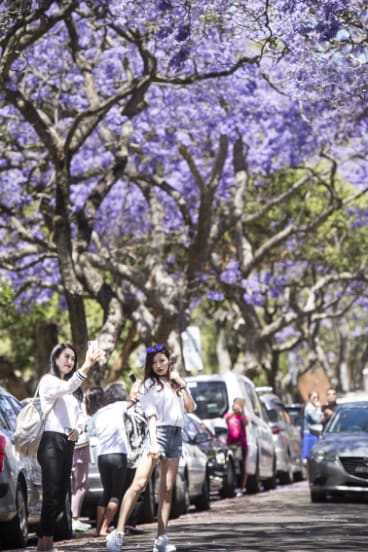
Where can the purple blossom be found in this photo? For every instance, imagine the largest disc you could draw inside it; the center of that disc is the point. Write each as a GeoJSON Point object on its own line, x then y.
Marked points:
{"type": "Point", "coordinates": [215, 295]}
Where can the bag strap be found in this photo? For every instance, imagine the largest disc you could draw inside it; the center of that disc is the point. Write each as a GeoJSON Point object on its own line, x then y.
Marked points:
{"type": "Point", "coordinates": [44, 414]}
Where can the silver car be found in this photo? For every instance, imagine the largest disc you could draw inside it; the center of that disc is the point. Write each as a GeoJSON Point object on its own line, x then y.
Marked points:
{"type": "Point", "coordinates": [287, 439]}
{"type": "Point", "coordinates": [338, 463]}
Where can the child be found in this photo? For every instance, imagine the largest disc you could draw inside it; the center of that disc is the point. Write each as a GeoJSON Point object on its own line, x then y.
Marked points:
{"type": "Point", "coordinates": [236, 422]}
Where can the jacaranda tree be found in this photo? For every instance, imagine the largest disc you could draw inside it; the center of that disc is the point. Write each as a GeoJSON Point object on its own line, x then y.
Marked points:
{"type": "Point", "coordinates": [140, 141]}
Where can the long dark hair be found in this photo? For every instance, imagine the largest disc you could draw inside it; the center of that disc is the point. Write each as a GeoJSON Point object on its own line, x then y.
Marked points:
{"type": "Point", "coordinates": [54, 369]}
{"type": "Point", "coordinates": [148, 367]}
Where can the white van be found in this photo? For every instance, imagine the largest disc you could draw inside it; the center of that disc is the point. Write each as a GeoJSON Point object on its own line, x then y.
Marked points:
{"type": "Point", "coordinates": [214, 395]}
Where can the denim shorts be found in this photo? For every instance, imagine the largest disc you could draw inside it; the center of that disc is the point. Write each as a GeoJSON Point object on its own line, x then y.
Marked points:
{"type": "Point", "coordinates": [170, 441]}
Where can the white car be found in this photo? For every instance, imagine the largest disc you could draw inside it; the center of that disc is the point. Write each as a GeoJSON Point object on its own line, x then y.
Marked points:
{"type": "Point", "coordinates": [214, 395]}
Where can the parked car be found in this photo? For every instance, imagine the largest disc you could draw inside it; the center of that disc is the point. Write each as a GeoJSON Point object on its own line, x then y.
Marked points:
{"type": "Point", "coordinates": [214, 395]}
{"type": "Point", "coordinates": [296, 413]}
{"type": "Point", "coordinates": [338, 464]}
{"type": "Point", "coordinates": [20, 485]}
{"type": "Point", "coordinates": [287, 438]}
{"type": "Point", "coordinates": [221, 461]}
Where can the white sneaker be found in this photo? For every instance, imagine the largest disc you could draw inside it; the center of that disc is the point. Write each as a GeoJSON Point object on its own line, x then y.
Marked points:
{"type": "Point", "coordinates": [80, 525]}
{"type": "Point", "coordinates": [114, 541]}
{"type": "Point", "coordinates": [162, 544]}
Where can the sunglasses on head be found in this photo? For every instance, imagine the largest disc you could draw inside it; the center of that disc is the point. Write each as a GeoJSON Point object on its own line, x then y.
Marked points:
{"type": "Point", "coordinates": [155, 348]}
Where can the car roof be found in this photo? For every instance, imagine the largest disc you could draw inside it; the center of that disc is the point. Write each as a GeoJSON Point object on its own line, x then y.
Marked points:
{"type": "Point", "coordinates": [270, 397]}
{"type": "Point", "coordinates": [353, 404]}
{"type": "Point", "coordinates": [230, 375]}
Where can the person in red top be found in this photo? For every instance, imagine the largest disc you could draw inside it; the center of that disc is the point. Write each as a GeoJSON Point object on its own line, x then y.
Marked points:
{"type": "Point", "coordinates": [237, 422]}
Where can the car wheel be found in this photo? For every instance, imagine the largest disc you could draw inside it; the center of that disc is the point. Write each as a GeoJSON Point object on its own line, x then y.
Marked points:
{"type": "Point", "coordinates": [270, 483]}
{"type": "Point", "coordinates": [318, 496]}
{"type": "Point", "coordinates": [16, 531]}
{"type": "Point", "coordinates": [203, 502]}
{"type": "Point", "coordinates": [299, 475]}
{"type": "Point", "coordinates": [286, 477]}
{"type": "Point", "coordinates": [253, 482]}
{"type": "Point", "coordinates": [64, 522]}
{"type": "Point", "coordinates": [229, 481]}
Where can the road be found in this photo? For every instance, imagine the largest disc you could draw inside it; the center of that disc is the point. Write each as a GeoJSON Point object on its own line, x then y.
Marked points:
{"type": "Point", "coordinates": [273, 521]}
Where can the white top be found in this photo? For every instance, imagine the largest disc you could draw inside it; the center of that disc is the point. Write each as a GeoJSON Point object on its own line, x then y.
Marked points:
{"type": "Point", "coordinates": [164, 403]}
{"type": "Point", "coordinates": [66, 414]}
{"type": "Point", "coordinates": [109, 428]}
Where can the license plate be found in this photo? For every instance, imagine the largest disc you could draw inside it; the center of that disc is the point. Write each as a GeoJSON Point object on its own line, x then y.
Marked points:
{"type": "Point", "coordinates": [361, 469]}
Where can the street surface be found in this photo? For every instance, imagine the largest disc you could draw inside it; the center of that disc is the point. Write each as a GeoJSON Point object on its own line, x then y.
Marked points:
{"type": "Point", "coordinates": [273, 521]}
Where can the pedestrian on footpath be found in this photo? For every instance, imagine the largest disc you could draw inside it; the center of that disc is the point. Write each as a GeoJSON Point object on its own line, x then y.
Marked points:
{"type": "Point", "coordinates": [60, 391]}
{"type": "Point", "coordinates": [164, 398]}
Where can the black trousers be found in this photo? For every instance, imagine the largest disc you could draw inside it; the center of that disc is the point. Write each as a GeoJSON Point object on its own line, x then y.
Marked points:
{"type": "Point", "coordinates": [55, 456]}
{"type": "Point", "coordinates": [112, 468]}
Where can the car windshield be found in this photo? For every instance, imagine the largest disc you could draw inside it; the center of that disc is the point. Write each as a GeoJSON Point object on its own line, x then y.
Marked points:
{"type": "Point", "coordinates": [210, 397]}
{"type": "Point", "coordinates": [348, 420]}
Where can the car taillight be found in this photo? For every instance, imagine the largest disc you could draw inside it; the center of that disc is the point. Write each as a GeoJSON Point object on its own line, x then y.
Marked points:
{"type": "Point", "coordinates": [2, 452]}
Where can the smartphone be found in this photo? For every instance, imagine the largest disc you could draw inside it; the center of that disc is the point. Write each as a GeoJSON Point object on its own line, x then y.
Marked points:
{"type": "Point", "coordinates": [93, 344]}
{"type": "Point", "coordinates": [132, 378]}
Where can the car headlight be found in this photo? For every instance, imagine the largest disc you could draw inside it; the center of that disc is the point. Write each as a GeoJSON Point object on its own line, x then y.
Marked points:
{"type": "Point", "coordinates": [322, 455]}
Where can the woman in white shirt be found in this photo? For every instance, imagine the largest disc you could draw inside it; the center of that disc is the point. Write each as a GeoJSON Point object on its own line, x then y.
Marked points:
{"type": "Point", "coordinates": [60, 391]}
{"type": "Point", "coordinates": [107, 423]}
{"type": "Point", "coordinates": [164, 397]}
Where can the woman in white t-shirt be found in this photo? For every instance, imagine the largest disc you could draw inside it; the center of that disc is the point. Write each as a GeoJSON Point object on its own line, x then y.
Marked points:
{"type": "Point", "coordinates": [164, 397]}
{"type": "Point", "coordinates": [60, 391]}
{"type": "Point", "coordinates": [107, 424]}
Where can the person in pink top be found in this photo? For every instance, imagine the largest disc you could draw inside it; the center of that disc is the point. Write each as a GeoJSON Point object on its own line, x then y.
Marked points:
{"type": "Point", "coordinates": [237, 422]}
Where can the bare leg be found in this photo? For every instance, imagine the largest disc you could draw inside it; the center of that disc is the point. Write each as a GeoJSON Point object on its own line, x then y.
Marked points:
{"type": "Point", "coordinates": [110, 511]}
{"type": "Point", "coordinates": [99, 518]}
{"type": "Point", "coordinates": [47, 543]}
{"type": "Point", "coordinates": [168, 471]}
{"type": "Point", "coordinates": [142, 476]}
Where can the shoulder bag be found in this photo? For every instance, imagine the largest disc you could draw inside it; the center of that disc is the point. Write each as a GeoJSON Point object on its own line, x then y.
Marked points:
{"type": "Point", "coordinates": [30, 426]}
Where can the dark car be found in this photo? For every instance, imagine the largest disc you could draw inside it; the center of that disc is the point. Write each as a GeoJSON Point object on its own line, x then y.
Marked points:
{"type": "Point", "coordinates": [221, 461]}
{"type": "Point", "coordinates": [287, 439]}
{"type": "Point", "coordinates": [338, 463]}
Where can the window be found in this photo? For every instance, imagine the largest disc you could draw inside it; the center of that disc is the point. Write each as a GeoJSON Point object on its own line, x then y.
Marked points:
{"type": "Point", "coordinates": [210, 397]}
